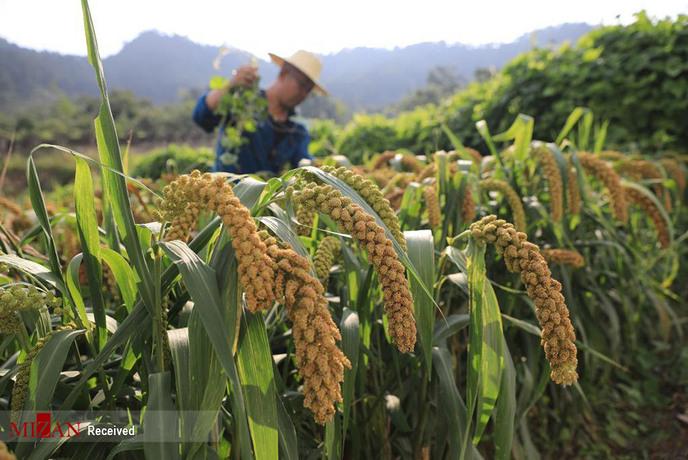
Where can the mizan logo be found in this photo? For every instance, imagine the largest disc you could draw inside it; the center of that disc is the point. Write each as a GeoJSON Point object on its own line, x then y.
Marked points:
{"type": "Point", "coordinates": [43, 427]}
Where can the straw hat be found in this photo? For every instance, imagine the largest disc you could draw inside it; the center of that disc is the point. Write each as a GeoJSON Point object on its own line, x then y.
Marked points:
{"type": "Point", "coordinates": [306, 62]}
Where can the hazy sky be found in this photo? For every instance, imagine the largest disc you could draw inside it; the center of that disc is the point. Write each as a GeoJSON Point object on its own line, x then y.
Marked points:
{"type": "Point", "coordinates": [320, 26]}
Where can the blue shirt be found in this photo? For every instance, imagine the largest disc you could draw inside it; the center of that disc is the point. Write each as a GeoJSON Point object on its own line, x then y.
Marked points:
{"type": "Point", "coordinates": [268, 148]}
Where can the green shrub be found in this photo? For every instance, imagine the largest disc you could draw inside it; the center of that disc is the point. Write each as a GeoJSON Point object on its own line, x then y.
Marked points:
{"type": "Point", "coordinates": [174, 159]}
{"type": "Point", "coordinates": [634, 76]}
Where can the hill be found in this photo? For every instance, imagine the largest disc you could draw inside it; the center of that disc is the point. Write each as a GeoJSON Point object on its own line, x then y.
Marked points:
{"type": "Point", "coordinates": [162, 68]}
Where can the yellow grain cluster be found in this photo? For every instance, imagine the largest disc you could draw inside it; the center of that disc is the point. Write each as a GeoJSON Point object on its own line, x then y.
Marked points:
{"type": "Point", "coordinates": [373, 196]}
{"type": "Point", "coordinates": [382, 159]}
{"type": "Point", "coordinates": [433, 206]}
{"type": "Point", "coordinates": [599, 169]}
{"type": "Point", "coordinates": [568, 257]}
{"type": "Point", "coordinates": [16, 298]}
{"type": "Point", "coordinates": [476, 156]}
{"type": "Point", "coordinates": [613, 155]}
{"type": "Point", "coordinates": [325, 255]}
{"type": "Point", "coordinates": [512, 198]}
{"type": "Point", "coordinates": [10, 206]}
{"type": "Point", "coordinates": [573, 198]}
{"type": "Point", "coordinates": [380, 177]}
{"type": "Point", "coordinates": [21, 383]}
{"type": "Point", "coordinates": [320, 362]}
{"type": "Point", "coordinates": [305, 218]}
{"type": "Point", "coordinates": [643, 169]}
{"type": "Point", "coordinates": [426, 172]}
{"type": "Point", "coordinates": [409, 162]}
{"type": "Point", "coordinates": [400, 180]}
{"type": "Point", "coordinates": [521, 256]}
{"type": "Point", "coordinates": [362, 226]}
{"type": "Point", "coordinates": [639, 169]}
{"type": "Point", "coordinates": [187, 195]}
{"type": "Point", "coordinates": [550, 170]}
{"type": "Point", "coordinates": [650, 209]}
{"type": "Point", "coordinates": [17, 219]}
{"type": "Point", "coordinates": [394, 197]}
{"type": "Point", "coordinates": [467, 205]}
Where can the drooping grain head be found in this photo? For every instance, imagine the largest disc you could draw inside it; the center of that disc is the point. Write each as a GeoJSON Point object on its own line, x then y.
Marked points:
{"type": "Point", "coordinates": [373, 196]}
{"type": "Point", "coordinates": [433, 207]}
{"type": "Point", "coordinates": [569, 257]}
{"type": "Point", "coordinates": [599, 169]}
{"type": "Point", "coordinates": [512, 198]}
{"type": "Point", "coordinates": [187, 195]}
{"type": "Point", "coordinates": [550, 170]}
{"type": "Point", "coordinates": [652, 211]}
{"type": "Point", "coordinates": [520, 256]}
{"type": "Point", "coordinates": [351, 218]}
{"type": "Point", "coordinates": [320, 362]}
{"type": "Point", "coordinates": [327, 252]}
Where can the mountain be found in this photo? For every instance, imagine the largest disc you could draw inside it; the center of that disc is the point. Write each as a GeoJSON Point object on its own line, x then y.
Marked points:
{"type": "Point", "coordinates": [163, 67]}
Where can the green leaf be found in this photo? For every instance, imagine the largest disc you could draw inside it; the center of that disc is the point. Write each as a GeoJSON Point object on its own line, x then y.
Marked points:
{"type": "Point", "coordinates": [449, 326]}
{"type": "Point", "coordinates": [333, 439]}
{"type": "Point", "coordinates": [570, 123]}
{"type": "Point", "coordinates": [75, 291]}
{"type": "Point", "coordinates": [114, 184]}
{"type": "Point", "coordinates": [288, 442]}
{"type": "Point", "coordinates": [34, 269]}
{"type": "Point", "coordinates": [137, 322]}
{"type": "Point", "coordinates": [284, 232]}
{"type": "Point", "coordinates": [485, 354]}
{"type": "Point", "coordinates": [160, 420]}
{"type": "Point", "coordinates": [254, 361]}
{"type": "Point", "coordinates": [350, 346]}
{"type": "Point", "coordinates": [505, 412]}
{"type": "Point", "coordinates": [87, 228]}
{"type": "Point", "coordinates": [521, 131]}
{"type": "Point", "coordinates": [421, 251]}
{"type": "Point", "coordinates": [38, 204]}
{"type": "Point", "coordinates": [201, 283]}
{"type": "Point", "coordinates": [125, 277]}
{"type": "Point", "coordinates": [47, 366]}
{"type": "Point", "coordinates": [453, 407]}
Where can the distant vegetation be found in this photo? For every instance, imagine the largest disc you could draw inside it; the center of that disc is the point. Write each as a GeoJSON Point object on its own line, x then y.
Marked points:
{"type": "Point", "coordinates": [635, 77]}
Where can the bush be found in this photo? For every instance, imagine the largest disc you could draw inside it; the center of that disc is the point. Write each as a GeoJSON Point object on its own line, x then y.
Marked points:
{"type": "Point", "coordinates": [634, 76]}
{"type": "Point", "coordinates": [174, 158]}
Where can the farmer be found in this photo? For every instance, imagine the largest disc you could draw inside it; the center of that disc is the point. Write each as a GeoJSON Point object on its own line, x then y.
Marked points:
{"type": "Point", "coordinates": [277, 139]}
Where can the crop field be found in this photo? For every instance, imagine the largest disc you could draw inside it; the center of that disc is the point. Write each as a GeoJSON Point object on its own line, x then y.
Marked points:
{"type": "Point", "coordinates": [528, 301]}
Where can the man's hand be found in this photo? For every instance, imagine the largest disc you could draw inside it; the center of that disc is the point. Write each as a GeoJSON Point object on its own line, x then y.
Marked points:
{"type": "Point", "coordinates": [244, 76]}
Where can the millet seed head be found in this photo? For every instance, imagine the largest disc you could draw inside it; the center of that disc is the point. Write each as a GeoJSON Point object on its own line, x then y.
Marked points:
{"type": "Point", "coordinates": [558, 336]}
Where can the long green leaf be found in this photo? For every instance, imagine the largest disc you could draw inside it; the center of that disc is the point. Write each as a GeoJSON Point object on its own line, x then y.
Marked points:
{"type": "Point", "coordinates": [160, 421]}
{"type": "Point", "coordinates": [505, 412]}
{"type": "Point", "coordinates": [453, 407]}
{"type": "Point", "coordinates": [125, 277]}
{"type": "Point", "coordinates": [87, 228]}
{"type": "Point", "coordinates": [256, 374]}
{"type": "Point", "coordinates": [137, 322]}
{"type": "Point", "coordinates": [485, 354]}
{"type": "Point", "coordinates": [114, 185]}
{"type": "Point", "coordinates": [201, 283]}
{"type": "Point", "coordinates": [350, 346]}
{"type": "Point", "coordinates": [38, 204]}
{"type": "Point", "coordinates": [421, 251]}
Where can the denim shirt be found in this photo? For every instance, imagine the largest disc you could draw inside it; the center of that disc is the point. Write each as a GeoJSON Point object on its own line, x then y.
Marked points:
{"type": "Point", "coordinates": [264, 150]}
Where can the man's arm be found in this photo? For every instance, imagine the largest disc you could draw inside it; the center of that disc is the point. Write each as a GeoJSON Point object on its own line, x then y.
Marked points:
{"type": "Point", "coordinates": [204, 112]}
